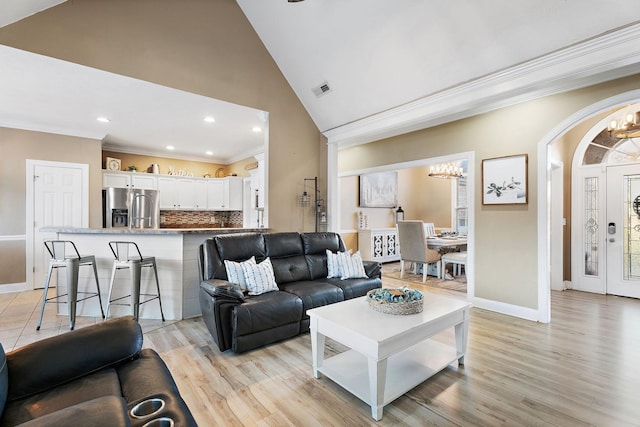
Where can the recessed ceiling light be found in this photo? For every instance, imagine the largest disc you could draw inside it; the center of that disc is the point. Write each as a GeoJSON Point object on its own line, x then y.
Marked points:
{"type": "Point", "coordinates": [209, 119]}
{"type": "Point", "coordinates": [103, 120]}
{"type": "Point", "coordinates": [170, 147]}
{"type": "Point", "coordinates": [209, 153]}
{"type": "Point", "coordinates": [256, 129]}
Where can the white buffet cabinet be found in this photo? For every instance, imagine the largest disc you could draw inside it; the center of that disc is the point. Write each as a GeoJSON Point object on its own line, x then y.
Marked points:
{"type": "Point", "coordinates": [183, 193]}
{"type": "Point", "coordinates": [379, 244]}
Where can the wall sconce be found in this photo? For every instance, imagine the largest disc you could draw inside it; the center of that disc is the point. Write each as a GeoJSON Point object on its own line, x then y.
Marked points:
{"type": "Point", "coordinates": [305, 199]}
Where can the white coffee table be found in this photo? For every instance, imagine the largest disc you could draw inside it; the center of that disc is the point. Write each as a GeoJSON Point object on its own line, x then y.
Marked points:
{"type": "Point", "coordinates": [390, 354]}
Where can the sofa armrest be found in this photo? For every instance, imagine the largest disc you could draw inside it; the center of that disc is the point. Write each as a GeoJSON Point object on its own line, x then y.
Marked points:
{"type": "Point", "coordinates": [218, 300]}
{"type": "Point", "coordinates": [53, 361]}
{"type": "Point", "coordinates": [222, 290]}
{"type": "Point", "coordinates": [373, 269]}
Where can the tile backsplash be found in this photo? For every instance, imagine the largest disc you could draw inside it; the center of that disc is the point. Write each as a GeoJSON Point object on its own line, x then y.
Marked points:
{"type": "Point", "coordinates": [200, 219]}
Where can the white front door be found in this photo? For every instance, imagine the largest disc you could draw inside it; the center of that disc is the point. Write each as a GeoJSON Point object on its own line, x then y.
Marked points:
{"type": "Point", "coordinates": [623, 230]}
{"type": "Point", "coordinates": [59, 198]}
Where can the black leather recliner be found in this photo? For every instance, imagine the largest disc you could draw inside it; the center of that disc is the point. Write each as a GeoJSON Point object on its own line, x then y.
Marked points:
{"type": "Point", "coordinates": [240, 322]}
{"type": "Point", "coordinates": [92, 376]}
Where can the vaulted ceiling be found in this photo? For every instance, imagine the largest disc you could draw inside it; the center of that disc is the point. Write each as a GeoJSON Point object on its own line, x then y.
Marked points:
{"type": "Point", "coordinates": [388, 67]}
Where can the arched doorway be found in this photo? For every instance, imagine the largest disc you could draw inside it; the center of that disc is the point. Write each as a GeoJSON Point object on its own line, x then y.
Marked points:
{"type": "Point", "coordinates": [543, 180]}
{"type": "Point", "coordinates": [606, 211]}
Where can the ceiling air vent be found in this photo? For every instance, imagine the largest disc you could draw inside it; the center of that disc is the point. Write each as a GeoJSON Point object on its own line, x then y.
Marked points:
{"type": "Point", "coordinates": [322, 89]}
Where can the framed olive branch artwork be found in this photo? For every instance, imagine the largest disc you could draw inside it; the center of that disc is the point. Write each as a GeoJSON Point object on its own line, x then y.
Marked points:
{"type": "Point", "coordinates": [504, 180]}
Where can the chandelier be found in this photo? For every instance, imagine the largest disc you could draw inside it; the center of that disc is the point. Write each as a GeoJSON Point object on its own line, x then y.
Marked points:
{"type": "Point", "coordinates": [448, 170]}
{"type": "Point", "coordinates": [628, 126]}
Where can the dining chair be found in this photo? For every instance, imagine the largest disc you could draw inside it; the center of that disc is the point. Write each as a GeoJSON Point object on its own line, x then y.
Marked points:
{"type": "Point", "coordinates": [429, 229]}
{"type": "Point", "coordinates": [413, 247]}
{"type": "Point", "coordinates": [457, 261]}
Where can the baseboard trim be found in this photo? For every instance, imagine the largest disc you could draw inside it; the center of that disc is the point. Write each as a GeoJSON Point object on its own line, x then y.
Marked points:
{"type": "Point", "coordinates": [504, 308]}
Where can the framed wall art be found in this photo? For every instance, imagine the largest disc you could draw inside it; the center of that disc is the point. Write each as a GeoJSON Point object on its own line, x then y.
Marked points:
{"type": "Point", "coordinates": [378, 190]}
{"type": "Point", "coordinates": [504, 180]}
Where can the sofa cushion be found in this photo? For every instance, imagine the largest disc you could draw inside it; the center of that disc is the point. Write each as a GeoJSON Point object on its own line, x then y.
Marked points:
{"type": "Point", "coordinates": [106, 411]}
{"type": "Point", "coordinates": [259, 278]}
{"type": "Point", "coordinates": [315, 247]}
{"type": "Point", "coordinates": [290, 269]}
{"type": "Point", "coordinates": [317, 243]}
{"type": "Point", "coordinates": [314, 293]}
{"type": "Point", "coordinates": [266, 311]}
{"type": "Point", "coordinates": [240, 247]}
{"type": "Point", "coordinates": [30, 366]}
{"type": "Point", "coordinates": [280, 245]}
{"type": "Point", "coordinates": [354, 288]}
{"type": "Point", "coordinates": [102, 383]}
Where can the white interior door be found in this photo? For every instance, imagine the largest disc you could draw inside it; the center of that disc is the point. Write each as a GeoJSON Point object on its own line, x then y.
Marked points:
{"type": "Point", "coordinates": [58, 198]}
{"type": "Point", "coordinates": [623, 230]}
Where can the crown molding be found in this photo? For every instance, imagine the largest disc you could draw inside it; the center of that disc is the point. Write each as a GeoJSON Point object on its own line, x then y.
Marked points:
{"type": "Point", "coordinates": [169, 155]}
{"type": "Point", "coordinates": [606, 57]}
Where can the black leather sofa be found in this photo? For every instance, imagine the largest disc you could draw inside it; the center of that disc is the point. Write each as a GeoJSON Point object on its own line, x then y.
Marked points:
{"type": "Point", "coordinates": [241, 322]}
{"type": "Point", "coordinates": [95, 376]}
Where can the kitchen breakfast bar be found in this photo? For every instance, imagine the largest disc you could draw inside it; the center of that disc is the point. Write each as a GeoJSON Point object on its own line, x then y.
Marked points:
{"type": "Point", "coordinates": [176, 253]}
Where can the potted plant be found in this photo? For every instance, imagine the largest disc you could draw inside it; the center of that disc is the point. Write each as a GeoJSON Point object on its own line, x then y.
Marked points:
{"type": "Point", "coordinates": [132, 168]}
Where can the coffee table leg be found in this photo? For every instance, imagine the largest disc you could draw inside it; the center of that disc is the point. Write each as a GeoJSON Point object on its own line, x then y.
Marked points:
{"type": "Point", "coordinates": [462, 330]}
{"type": "Point", "coordinates": [377, 379]}
{"type": "Point", "coordinates": [317, 349]}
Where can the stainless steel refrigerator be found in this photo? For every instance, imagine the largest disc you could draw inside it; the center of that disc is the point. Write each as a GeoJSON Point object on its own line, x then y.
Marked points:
{"type": "Point", "coordinates": [130, 208]}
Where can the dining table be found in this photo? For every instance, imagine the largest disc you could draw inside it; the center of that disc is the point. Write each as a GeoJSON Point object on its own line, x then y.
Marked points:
{"type": "Point", "coordinates": [438, 242]}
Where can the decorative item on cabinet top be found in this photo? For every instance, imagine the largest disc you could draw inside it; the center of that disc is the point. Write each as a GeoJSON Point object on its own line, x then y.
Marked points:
{"type": "Point", "coordinates": [113, 164]}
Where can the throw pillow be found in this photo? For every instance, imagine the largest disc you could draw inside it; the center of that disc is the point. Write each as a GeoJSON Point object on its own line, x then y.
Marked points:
{"type": "Point", "coordinates": [333, 269]}
{"type": "Point", "coordinates": [235, 274]}
{"type": "Point", "coordinates": [259, 277]}
{"type": "Point", "coordinates": [351, 266]}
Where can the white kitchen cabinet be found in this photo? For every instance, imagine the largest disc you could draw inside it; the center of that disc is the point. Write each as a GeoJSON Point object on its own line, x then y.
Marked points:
{"type": "Point", "coordinates": [224, 194]}
{"type": "Point", "coordinates": [177, 193]}
{"type": "Point", "coordinates": [200, 196]}
{"type": "Point", "coordinates": [379, 244]}
{"type": "Point", "coordinates": [233, 193]}
{"type": "Point", "coordinates": [129, 180]}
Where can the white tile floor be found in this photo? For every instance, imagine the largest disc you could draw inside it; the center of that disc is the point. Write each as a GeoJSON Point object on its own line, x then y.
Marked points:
{"type": "Point", "coordinates": [19, 314]}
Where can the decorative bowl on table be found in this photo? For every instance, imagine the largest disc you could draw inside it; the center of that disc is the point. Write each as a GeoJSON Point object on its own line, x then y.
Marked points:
{"type": "Point", "coordinates": [395, 301]}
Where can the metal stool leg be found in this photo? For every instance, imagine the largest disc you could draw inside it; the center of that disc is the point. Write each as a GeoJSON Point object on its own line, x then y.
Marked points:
{"type": "Point", "coordinates": [155, 272]}
{"type": "Point", "coordinates": [135, 268]}
{"type": "Point", "coordinates": [113, 278]}
{"type": "Point", "coordinates": [95, 274]}
{"type": "Point", "coordinates": [44, 296]}
{"type": "Point", "coordinates": [72, 289]}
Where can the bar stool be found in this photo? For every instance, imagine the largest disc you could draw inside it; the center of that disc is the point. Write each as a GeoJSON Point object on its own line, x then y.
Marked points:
{"type": "Point", "coordinates": [127, 255]}
{"type": "Point", "coordinates": [65, 254]}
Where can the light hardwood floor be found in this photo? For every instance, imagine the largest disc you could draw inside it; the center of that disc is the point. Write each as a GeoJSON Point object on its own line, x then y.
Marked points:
{"type": "Point", "coordinates": [581, 369]}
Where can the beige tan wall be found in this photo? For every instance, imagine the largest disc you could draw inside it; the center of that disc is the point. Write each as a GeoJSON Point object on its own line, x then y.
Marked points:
{"type": "Point", "coordinates": [17, 146]}
{"type": "Point", "coordinates": [421, 197]}
{"type": "Point", "coordinates": [505, 236]}
{"type": "Point", "coordinates": [205, 47]}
